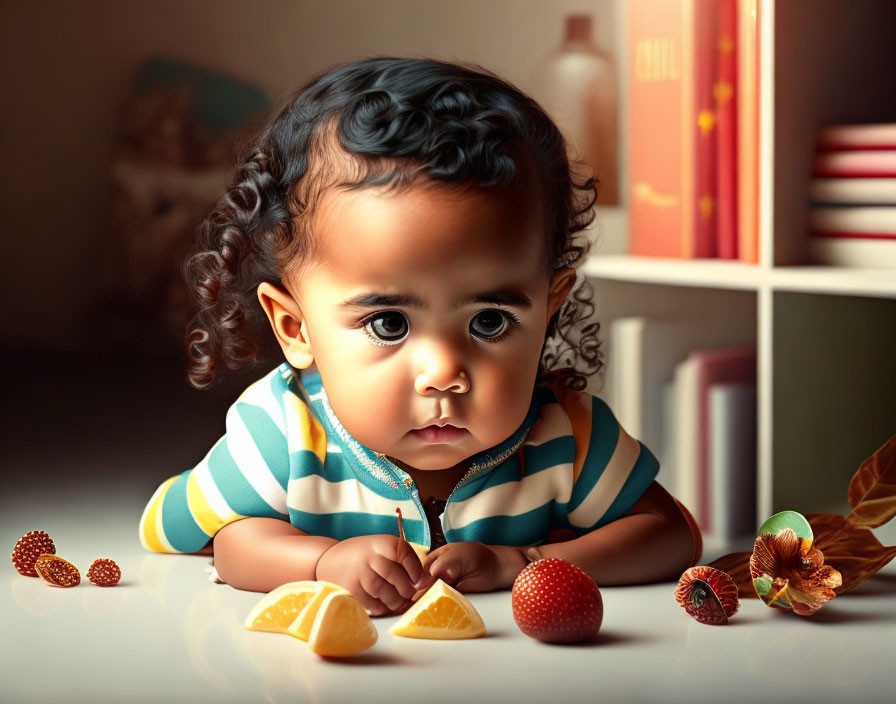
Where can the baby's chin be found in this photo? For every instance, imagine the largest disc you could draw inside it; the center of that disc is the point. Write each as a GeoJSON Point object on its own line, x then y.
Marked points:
{"type": "Point", "coordinates": [433, 460]}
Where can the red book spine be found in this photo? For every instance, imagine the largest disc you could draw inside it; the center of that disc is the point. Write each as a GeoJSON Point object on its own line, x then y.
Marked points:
{"type": "Point", "coordinates": [748, 51]}
{"type": "Point", "coordinates": [726, 102]}
{"type": "Point", "coordinates": [660, 178]}
{"type": "Point", "coordinates": [664, 154]}
{"type": "Point", "coordinates": [706, 128]}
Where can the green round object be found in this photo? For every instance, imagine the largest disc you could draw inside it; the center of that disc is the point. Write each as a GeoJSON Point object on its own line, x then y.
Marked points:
{"type": "Point", "coordinates": [787, 519]}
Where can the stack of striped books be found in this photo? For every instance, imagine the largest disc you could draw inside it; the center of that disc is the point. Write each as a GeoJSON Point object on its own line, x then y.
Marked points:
{"type": "Point", "coordinates": [852, 194]}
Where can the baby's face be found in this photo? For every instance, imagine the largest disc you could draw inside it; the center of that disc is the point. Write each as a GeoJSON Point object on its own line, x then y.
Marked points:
{"type": "Point", "coordinates": [427, 308]}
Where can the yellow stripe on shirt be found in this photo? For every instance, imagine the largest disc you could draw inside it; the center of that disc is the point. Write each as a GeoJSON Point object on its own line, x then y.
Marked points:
{"type": "Point", "coordinates": [311, 432]}
{"type": "Point", "coordinates": [204, 515]}
{"type": "Point", "coordinates": [149, 535]}
{"type": "Point", "coordinates": [578, 409]}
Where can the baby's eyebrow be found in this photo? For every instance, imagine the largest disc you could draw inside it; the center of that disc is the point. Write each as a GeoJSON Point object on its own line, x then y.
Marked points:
{"type": "Point", "coordinates": [381, 300]}
{"type": "Point", "coordinates": [500, 297]}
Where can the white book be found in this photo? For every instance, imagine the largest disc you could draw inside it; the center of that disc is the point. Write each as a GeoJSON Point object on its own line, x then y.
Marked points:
{"type": "Point", "coordinates": [871, 219]}
{"type": "Point", "coordinates": [853, 251]}
{"type": "Point", "coordinates": [866, 136]}
{"type": "Point", "coordinates": [693, 378]}
{"type": "Point", "coordinates": [687, 434]}
{"type": "Point", "coordinates": [666, 450]}
{"type": "Point", "coordinates": [732, 460]}
{"type": "Point", "coordinates": [642, 354]}
{"type": "Point", "coordinates": [867, 191]}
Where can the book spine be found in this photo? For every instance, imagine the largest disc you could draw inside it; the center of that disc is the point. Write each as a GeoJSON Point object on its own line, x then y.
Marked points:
{"type": "Point", "coordinates": [748, 51]}
{"type": "Point", "coordinates": [687, 436]}
{"type": "Point", "coordinates": [732, 459]}
{"type": "Point", "coordinates": [705, 128]}
{"type": "Point", "coordinates": [661, 141]}
{"type": "Point", "coordinates": [725, 95]}
{"type": "Point", "coordinates": [853, 191]}
{"type": "Point", "coordinates": [858, 137]}
{"type": "Point", "coordinates": [869, 220]}
{"type": "Point", "coordinates": [866, 253]}
{"type": "Point", "coordinates": [855, 164]}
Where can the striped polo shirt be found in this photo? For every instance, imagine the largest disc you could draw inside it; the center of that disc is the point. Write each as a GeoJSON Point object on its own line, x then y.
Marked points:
{"type": "Point", "coordinates": [570, 465]}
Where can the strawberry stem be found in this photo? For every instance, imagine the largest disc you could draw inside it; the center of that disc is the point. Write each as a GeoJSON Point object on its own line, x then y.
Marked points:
{"type": "Point", "coordinates": [400, 528]}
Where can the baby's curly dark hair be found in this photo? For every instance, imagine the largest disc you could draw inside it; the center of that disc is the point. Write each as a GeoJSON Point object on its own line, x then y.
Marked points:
{"type": "Point", "coordinates": [380, 121]}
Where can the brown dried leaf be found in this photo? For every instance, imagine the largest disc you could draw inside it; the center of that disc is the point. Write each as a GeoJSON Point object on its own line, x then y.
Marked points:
{"type": "Point", "coordinates": [872, 491]}
{"type": "Point", "coordinates": [737, 566]}
{"type": "Point", "coordinates": [855, 552]}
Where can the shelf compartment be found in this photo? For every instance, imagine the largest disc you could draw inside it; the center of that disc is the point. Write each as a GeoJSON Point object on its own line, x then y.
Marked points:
{"type": "Point", "coordinates": [704, 273]}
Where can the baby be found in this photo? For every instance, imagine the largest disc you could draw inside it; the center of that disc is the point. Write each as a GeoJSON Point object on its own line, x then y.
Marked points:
{"type": "Point", "coordinates": [406, 229]}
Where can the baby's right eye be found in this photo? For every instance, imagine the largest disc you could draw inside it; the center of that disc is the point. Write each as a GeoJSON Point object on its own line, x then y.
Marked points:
{"type": "Point", "coordinates": [388, 328]}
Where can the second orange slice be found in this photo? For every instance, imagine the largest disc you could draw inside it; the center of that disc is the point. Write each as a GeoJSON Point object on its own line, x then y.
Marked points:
{"type": "Point", "coordinates": [441, 613]}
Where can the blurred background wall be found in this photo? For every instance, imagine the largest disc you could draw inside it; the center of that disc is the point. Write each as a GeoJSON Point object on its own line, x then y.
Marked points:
{"type": "Point", "coordinates": [67, 67]}
{"type": "Point", "coordinates": [104, 401]}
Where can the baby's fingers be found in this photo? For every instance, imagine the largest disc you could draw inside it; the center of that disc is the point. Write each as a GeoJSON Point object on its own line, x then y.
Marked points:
{"type": "Point", "coordinates": [445, 568]}
{"type": "Point", "coordinates": [409, 560]}
{"type": "Point", "coordinates": [393, 575]}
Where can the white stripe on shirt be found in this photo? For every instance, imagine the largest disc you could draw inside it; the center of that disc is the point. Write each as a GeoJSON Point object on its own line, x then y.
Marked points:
{"type": "Point", "coordinates": [614, 476]}
{"type": "Point", "coordinates": [513, 498]}
{"type": "Point", "coordinates": [314, 494]}
{"type": "Point", "coordinates": [251, 463]}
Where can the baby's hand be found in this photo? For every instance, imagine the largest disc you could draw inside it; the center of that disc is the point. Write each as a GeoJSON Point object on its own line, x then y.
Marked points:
{"type": "Point", "coordinates": [381, 571]}
{"type": "Point", "coordinates": [470, 567]}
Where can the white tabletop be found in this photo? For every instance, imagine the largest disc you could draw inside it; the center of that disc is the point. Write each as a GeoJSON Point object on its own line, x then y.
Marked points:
{"type": "Point", "coordinates": [168, 634]}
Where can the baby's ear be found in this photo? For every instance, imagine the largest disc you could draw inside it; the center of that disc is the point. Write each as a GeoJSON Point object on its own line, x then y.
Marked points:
{"type": "Point", "coordinates": [561, 284]}
{"type": "Point", "coordinates": [288, 323]}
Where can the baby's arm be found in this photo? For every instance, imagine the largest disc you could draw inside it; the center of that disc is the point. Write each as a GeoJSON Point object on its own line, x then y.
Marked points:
{"type": "Point", "coordinates": [260, 554]}
{"type": "Point", "coordinates": [652, 542]}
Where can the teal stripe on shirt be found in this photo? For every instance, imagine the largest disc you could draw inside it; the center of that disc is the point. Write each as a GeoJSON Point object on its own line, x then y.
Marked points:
{"type": "Point", "coordinates": [601, 446]}
{"type": "Point", "coordinates": [527, 528]}
{"type": "Point", "coordinates": [549, 454]}
{"type": "Point", "coordinates": [348, 524]}
{"type": "Point", "coordinates": [266, 434]}
{"type": "Point", "coordinates": [180, 529]}
{"type": "Point", "coordinates": [239, 494]}
{"type": "Point", "coordinates": [641, 477]}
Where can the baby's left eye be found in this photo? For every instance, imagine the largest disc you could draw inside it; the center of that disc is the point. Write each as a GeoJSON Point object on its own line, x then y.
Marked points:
{"type": "Point", "coordinates": [489, 324]}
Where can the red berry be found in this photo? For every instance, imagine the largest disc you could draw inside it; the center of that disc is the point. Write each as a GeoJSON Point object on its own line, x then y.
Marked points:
{"type": "Point", "coordinates": [104, 572]}
{"type": "Point", "coordinates": [57, 572]}
{"type": "Point", "coordinates": [556, 602]}
{"type": "Point", "coordinates": [30, 547]}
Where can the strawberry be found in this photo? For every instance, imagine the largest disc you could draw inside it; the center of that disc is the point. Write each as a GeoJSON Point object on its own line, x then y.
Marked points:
{"type": "Point", "coordinates": [556, 602]}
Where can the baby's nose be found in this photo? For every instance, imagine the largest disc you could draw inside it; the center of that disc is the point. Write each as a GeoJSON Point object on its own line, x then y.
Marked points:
{"type": "Point", "coordinates": [441, 370]}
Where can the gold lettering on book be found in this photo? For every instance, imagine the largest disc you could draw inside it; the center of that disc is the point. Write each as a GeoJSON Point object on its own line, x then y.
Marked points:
{"type": "Point", "coordinates": [706, 120]}
{"type": "Point", "coordinates": [644, 192]}
{"type": "Point", "coordinates": [707, 207]}
{"type": "Point", "coordinates": [723, 91]}
{"type": "Point", "coordinates": [657, 60]}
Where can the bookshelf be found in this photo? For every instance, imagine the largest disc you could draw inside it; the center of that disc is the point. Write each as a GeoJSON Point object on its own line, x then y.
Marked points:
{"type": "Point", "coordinates": [825, 336]}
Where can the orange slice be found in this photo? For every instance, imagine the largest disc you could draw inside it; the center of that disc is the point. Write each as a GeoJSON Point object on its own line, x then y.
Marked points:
{"type": "Point", "coordinates": [442, 613]}
{"type": "Point", "coordinates": [278, 609]}
{"type": "Point", "coordinates": [341, 627]}
{"type": "Point", "coordinates": [301, 626]}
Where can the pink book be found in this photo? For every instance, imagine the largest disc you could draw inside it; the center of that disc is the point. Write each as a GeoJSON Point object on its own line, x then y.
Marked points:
{"type": "Point", "coordinates": [843, 137]}
{"type": "Point", "coordinates": [693, 378]}
{"type": "Point", "coordinates": [855, 164]}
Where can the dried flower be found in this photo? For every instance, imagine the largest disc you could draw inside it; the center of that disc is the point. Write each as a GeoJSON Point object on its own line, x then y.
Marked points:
{"type": "Point", "coordinates": [709, 595]}
{"type": "Point", "coordinates": [788, 572]}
